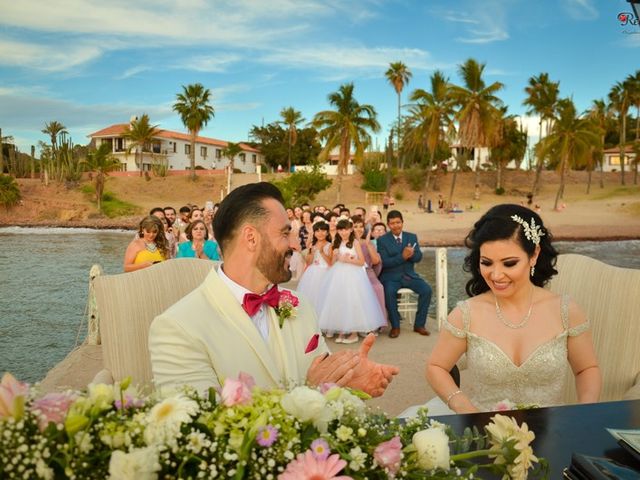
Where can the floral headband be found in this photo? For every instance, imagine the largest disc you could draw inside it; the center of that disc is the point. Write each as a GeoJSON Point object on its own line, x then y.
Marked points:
{"type": "Point", "coordinates": [319, 219]}
{"type": "Point", "coordinates": [532, 231]}
{"type": "Point", "coordinates": [344, 217]}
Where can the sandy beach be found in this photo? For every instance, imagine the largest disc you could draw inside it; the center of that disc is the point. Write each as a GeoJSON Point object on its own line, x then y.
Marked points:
{"type": "Point", "coordinates": [608, 213]}
{"type": "Point", "coordinates": [612, 212]}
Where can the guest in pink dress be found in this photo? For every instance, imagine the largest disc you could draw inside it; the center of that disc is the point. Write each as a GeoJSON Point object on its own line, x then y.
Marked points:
{"type": "Point", "coordinates": [372, 259]}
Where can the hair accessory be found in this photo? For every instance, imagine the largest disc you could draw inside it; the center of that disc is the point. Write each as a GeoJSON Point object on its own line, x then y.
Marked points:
{"type": "Point", "coordinates": [532, 231]}
{"type": "Point", "coordinates": [344, 217]}
{"type": "Point", "coordinates": [319, 219]}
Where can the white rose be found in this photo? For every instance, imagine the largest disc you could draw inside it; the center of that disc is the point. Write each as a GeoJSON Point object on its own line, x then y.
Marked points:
{"type": "Point", "coordinates": [140, 464]}
{"type": "Point", "coordinates": [101, 395]}
{"type": "Point", "coordinates": [433, 449]}
{"type": "Point", "coordinates": [307, 404]}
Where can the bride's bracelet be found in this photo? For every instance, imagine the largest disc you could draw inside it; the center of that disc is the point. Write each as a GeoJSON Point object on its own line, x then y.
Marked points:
{"type": "Point", "coordinates": [451, 395]}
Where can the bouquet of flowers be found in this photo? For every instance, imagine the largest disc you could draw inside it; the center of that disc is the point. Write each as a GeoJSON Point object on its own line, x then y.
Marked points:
{"type": "Point", "coordinates": [240, 431]}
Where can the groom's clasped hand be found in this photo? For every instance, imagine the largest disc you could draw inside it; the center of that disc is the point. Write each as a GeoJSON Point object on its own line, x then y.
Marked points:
{"type": "Point", "coordinates": [353, 369]}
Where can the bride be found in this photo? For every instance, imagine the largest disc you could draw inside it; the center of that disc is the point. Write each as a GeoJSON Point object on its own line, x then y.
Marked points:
{"type": "Point", "coordinates": [518, 337]}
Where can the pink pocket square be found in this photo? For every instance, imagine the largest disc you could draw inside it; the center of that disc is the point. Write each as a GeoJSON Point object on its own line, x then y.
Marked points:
{"type": "Point", "coordinates": [313, 344]}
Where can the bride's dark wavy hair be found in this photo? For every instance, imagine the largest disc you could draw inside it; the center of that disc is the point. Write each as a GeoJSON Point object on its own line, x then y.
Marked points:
{"type": "Point", "coordinates": [497, 224]}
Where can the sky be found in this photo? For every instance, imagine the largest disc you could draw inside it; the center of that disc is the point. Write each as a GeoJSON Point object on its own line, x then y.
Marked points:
{"type": "Point", "coordinates": [92, 63]}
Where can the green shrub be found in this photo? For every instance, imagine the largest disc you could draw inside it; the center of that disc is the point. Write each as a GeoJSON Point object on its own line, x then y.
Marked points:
{"type": "Point", "coordinates": [9, 191]}
{"type": "Point", "coordinates": [399, 195]}
{"type": "Point", "coordinates": [114, 207]}
{"type": "Point", "coordinates": [374, 180]}
{"type": "Point", "coordinates": [499, 191]}
{"type": "Point", "coordinates": [302, 186]}
{"type": "Point", "coordinates": [88, 189]}
{"type": "Point", "coordinates": [415, 177]}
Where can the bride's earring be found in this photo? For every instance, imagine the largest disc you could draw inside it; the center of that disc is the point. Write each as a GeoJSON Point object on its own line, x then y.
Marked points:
{"type": "Point", "coordinates": [533, 270]}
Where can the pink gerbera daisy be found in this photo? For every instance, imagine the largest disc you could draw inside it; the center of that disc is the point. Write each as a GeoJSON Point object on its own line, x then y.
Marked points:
{"type": "Point", "coordinates": [307, 467]}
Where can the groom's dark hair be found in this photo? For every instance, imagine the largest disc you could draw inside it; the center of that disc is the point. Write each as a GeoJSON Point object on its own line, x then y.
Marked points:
{"type": "Point", "coordinates": [241, 205]}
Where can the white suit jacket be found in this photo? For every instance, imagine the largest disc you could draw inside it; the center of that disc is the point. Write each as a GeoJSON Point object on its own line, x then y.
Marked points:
{"type": "Point", "coordinates": [207, 337]}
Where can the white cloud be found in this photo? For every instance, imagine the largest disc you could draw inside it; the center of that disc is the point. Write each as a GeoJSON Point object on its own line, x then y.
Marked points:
{"type": "Point", "coordinates": [487, 22]}
{"type": "Point", "coordinates": [484, 36]}
{"type": "Point", "coordinates": [46, 57]}
{"type": "Point", "coordinates": [581, 9]}
{"type": "Point", "coordinates": [208, 63]}
{"type": "Point", "coordinates": [133, 71]}
{"type": "Point", "coordinates": [341, 58]}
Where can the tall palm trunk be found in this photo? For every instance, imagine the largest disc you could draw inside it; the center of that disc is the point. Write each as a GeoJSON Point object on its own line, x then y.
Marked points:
{"type": "Point", "coordinates": [455, 175]}
{"type": "Point", "coordinates": [560, 192]}
{"type": "Point", "coordinates": [429, 168]}
{"type": "Point", "coordinates": [342, 163]}
{"type": "Point", "coordinates": [289, 157]}
{"type": "Point", "coordinates": [192, 159]}
{"type": "Point", "coordinates": [623, 141]}
{"type": "Point", "coordinates": [400, 156]}
{"type": "Point", "coordinates": [389, 159]}
{"type": "Point", "coordinates": [536, 182]}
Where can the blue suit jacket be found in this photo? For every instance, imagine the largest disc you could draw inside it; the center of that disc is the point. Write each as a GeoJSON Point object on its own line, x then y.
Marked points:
{"type": "Point", "coordinates": [394, 267]}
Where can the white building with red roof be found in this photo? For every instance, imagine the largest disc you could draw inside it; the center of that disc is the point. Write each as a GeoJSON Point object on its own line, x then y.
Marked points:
{"type": "Point", "coordinates": [173, 149]}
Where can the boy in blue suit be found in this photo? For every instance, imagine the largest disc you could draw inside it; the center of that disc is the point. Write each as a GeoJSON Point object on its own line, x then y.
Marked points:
{"type": "Point", "coordinates": [400, 251]}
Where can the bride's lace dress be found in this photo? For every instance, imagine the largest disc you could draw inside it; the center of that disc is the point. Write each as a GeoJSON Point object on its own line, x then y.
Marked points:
{"type": "Point", "coordinates": [493, 376]}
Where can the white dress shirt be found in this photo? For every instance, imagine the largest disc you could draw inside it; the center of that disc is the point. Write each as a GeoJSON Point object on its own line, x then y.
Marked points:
{"type": "Point", "coordinates": [260, 319]}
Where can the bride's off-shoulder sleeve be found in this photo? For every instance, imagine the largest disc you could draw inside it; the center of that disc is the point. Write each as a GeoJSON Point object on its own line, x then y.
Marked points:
{"type": "Point", "coordinates": [564, 313]}
{"type": "Point", "coordinates": [455, 331]}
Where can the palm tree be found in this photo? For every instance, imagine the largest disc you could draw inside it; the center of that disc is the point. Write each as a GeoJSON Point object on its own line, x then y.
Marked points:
{"type": "Point", "coordinates": [619, 101]}
{"type": "Point", "coordinates": [478, 116]}
{"type": "Point", "coordinates": [230, 152]}
{"type": "Point", "coordinates": [195, 112]}
{"type": "Point", "coordinates": [600, 116]}
{"type": "Point", "coordinates": [633, 82]}
{"type": "Point", "coordinates": [511, 144]}
{"type": "Point", "coordinates": [346, 125]}
{"type": "Point", "coordinates": [53, 129]}
{"type": "Point", "coordinates": [291, 118]}
{"type": "Point", "coordinates": [139, 136]}
{"type": "Point", "coordinates": [398, 75]}
{"type": "Point", "coordinates": [542, 99]}
{"type": "Point", "coordinates": [571, 139]}
{"type": "Point", "coordinates": [431, 118]}
{"type": "Point", "coordinates": [101, 162]}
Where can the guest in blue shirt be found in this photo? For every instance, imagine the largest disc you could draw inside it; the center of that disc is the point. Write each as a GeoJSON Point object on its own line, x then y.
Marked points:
{"type": "Point", "coordinates": [197, 246]}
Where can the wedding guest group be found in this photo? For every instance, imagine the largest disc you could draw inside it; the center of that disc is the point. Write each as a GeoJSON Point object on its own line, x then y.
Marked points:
{"type": "Point", "coordinates": [189, 235]}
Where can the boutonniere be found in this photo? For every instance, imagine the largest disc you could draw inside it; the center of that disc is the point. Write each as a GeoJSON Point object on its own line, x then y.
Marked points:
{"type": "Point", "coordinates": [286, 306]}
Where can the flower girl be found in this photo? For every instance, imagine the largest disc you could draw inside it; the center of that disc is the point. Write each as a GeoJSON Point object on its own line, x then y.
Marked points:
{"type": "Point", "coordinates": [348, 304]}
{"type": "Point", "coordinates": [318, 259]}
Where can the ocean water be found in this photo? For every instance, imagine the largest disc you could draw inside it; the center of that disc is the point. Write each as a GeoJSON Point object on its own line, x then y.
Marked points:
{"type": "Point", "coordinates": [44, 280]}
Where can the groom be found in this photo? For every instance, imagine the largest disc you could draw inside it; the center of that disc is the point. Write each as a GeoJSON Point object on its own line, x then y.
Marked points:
{"type": "Point", "coordinates": [229, 324]}
{"type": "Point", "coordinates": [399, 251]}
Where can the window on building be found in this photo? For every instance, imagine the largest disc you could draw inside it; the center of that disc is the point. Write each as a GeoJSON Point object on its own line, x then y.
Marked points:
{"type": "Point", "coordinates": [175, 147]}
{"type": "Point", "coordinates": [203, 152]}
{"type": "Point", "coordinates": [243, 157]}
{"type": "Point", "coordinates": [119, 145]}
{"type": "Point", "coordinates": [187, 149]}
{"type": "Point", "coordinates": [218, 153]}
{"type": "Point", "coordinates": [254, 158]}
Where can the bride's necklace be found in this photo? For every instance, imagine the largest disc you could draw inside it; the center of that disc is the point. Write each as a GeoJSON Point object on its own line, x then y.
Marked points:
{"type": "Point", "coordinates": [506, 322]}
{"type": "Point", "coordinates": [151, 247]}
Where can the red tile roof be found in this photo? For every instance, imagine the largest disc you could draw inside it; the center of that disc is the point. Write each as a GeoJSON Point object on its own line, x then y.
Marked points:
{"type": "Point", "coordinates": [628, 149]}
{"type": "Point", "coordinates": [119, 129]}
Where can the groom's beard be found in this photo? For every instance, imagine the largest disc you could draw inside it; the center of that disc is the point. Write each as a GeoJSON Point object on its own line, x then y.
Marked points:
{"type": "Point", "coordinates": [272, 264]}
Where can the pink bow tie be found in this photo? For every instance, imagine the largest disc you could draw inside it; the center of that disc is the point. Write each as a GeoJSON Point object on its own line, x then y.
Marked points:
{"type": "Point", "coordinates": [252, 301]}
